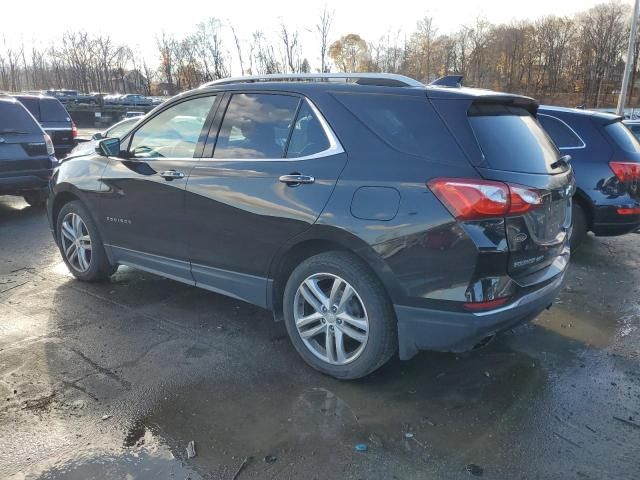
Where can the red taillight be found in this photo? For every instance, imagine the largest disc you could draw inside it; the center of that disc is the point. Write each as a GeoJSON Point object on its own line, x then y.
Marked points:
{"type": "Point", "coordinates": [74, 130]}
{"type": "Point", "coordinates": [487, 305]}
{"type": "Point", "coordinates": [471, 199]}
{"type": "Point", "coordinates": [626, 171]}
{"type": "Point", "coordinates": [629, 211]}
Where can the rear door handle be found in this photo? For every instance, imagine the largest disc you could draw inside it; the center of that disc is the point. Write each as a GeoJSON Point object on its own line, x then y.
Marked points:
{"type": "Point", "coordinates": [296, 179]}
{"type": "Point", "coordinates": [171, 175]}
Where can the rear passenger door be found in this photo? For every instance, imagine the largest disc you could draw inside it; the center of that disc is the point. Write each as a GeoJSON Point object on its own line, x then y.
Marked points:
{"type": "Point", "coordinates": [269, 167]}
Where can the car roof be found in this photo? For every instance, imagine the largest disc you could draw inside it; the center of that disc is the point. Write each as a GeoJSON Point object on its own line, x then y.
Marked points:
{"type": "Point", "coordinates": [431, 91]}
{"type": "Point", "coordinates": [34, 95]}
{"type": "Point", "coordinates": [595, 114]}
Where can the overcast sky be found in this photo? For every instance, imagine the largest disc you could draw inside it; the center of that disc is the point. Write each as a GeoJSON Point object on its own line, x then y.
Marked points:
{"type": "Point", "coordinates": [137, 22]}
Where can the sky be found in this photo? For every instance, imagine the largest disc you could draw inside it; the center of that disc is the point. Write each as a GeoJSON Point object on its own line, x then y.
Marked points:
{"type": "Point", "coordinates": [136, 23]}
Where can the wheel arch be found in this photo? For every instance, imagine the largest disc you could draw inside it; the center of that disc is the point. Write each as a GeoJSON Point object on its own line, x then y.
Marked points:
{"type": "Point", "coordinates": [318, 240]}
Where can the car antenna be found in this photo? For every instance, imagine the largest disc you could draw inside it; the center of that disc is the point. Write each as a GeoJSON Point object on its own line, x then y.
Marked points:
{"type": "Point", "coordinates": [453, 81]}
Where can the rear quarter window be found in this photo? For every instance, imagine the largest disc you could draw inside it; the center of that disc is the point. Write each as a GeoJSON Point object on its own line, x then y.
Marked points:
{"type": "Point", "coordinates": [561, 134]}
{"type": "Point", "coordinates": [51, 110]}
{"type": "Point", "coordinates": [13, 116]}
{"type": "Point", "coordinates": [406, 123]}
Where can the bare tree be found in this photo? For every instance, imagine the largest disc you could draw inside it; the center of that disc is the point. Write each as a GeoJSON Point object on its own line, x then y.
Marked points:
{"type": "Point", "coordinates": [290, 48]}
{"type": "Point", "coordinates": [323, 28]}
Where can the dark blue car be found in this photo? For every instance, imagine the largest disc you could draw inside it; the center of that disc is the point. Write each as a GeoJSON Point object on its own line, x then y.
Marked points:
{"type": "Point", "coordinates": [606, 161]}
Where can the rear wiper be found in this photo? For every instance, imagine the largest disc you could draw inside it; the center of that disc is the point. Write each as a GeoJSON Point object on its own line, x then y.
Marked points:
{"type": "Point", "coordinates": [7, 131]}
{"type": "Point", "coordinates": [562, 161]}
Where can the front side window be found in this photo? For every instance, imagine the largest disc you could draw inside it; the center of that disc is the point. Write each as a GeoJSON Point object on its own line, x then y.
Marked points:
{"type": "Point", "coordinates": [256, 126]}
{"type": "Point", "coordinates": [174, 133]}
{"type": "Point", "coordinates": [308, 136]}
{"type": "Point", "coordinates": [559, 132]}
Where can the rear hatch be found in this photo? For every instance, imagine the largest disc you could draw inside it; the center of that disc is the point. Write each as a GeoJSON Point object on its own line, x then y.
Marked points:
{"type": "Point", "coordinates": [516, 150]}
{"type": "Point", "coordinates": [22, 145]}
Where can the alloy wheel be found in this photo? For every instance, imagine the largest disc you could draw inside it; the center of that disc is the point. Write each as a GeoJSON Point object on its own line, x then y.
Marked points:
{"type": "Point", "coordinates": [76, 242]}
{"type": "Point", "coordinates": [331, 318]}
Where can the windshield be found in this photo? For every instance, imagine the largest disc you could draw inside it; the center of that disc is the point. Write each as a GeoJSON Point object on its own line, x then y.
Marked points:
{"type": "Point", "coordinates": [511, 139]}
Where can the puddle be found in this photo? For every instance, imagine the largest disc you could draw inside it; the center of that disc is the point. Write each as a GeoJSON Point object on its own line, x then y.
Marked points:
{"type": "Point", "coordinates": [144, 457]}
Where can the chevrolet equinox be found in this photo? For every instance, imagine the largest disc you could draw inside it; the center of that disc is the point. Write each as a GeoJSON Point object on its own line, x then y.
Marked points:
{"type": "Point", "coordinates": [372, 213]}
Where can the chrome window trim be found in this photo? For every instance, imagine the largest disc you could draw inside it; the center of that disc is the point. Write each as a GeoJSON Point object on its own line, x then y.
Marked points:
{"type": "Point", "coordinates": [584, 145]}
{"type": "Point", "coordinates": [335, 147]}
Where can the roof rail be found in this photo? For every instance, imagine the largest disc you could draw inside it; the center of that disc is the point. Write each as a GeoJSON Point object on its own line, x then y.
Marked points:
{"type": "Point", "coordinates": [454, 81]}
{"type": "Point", "coordinates": [379, 79]}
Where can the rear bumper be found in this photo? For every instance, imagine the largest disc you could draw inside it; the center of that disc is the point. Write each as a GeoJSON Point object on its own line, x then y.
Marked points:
{"type": "Point", "coordinates": [608, 222]}
{"type": "Point", "coordinates": [18, 184]}
{"type": "Point", "coordinates": [426, 329]}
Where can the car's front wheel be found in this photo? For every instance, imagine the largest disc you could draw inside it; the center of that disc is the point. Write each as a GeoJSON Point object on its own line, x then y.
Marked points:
{"type": "Point", "coordinates": [81, 245]}
{"type": "Point", "coordinates": [338, 316]}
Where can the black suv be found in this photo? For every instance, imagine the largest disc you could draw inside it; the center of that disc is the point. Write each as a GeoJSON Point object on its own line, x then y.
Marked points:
{"type": "Point", "coordinates": [606, 162]}
{"type": "Point", "coordinates": [372, 214]}
{"type": "Point", "coordinates": [54, 119]}
{"type": "Point", "coordinates": [26, 154]}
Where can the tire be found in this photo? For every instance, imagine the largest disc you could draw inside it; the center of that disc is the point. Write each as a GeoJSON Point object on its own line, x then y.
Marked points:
{"type": "Point", "coordinates": [90, 263]}
{"type": "Point", "coordinates": [579, 226]}
{"type": "Point", "coordinates": [369, 348]}
{"type": "Point", "coordinates": [37, 198]}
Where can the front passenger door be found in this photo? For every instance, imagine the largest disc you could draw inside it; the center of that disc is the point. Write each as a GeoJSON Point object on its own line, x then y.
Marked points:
{"type": "Point", "coordinates": [143, 209]}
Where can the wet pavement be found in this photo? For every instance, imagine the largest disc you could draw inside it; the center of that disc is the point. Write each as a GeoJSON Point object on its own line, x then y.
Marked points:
{"type": "Point", "coordinates": [113, 380]}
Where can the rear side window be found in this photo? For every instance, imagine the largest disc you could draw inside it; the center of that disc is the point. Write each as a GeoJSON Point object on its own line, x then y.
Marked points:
{"type": "Point", "coordinates": [406, 123]}
{"type": "Point", "coordinates": [511, 139]}
{"type": "Point", "coordinates": [560, 132]}
{"type": "Point", "coordinates": [51, 110]}
{"type": "Point", "coordinates": [307, 137]}
{"type": "Point", "coordinates": [623, 137]}
{"type": "Point", "coordinates": [256, 126]}
{"type": "Point", "coordinates": [15, 118]}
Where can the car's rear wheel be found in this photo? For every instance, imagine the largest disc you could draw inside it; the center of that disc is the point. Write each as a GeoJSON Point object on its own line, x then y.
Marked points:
{"type": "Point", "coordinates": [580, 227]}
{"type": "Point", "coordinates": [338, 316]}
{"type": "Point", "coordinates": [81, 245]}
{"type": "Point", "coordinates": [36, 198]}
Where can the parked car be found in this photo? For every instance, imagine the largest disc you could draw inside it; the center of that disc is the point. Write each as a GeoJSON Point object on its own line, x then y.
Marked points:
{"type": "Point", "coordinates": [373, 216]}
{"type": "Point", "coordinates": [113, 99]}
{"type": "Point", "coordinates": [606, 160]}
{"type": "Point", "coordinates": [54, 119]}
{"type": "Point", "coordinates": [132, 114]}
{"type": "Point", "coordinates": [634, 126]}
{"type": "Point", "coordinates": [134, 100]}
{"type": "Point", "coordinates": [117, 130]}
{"type": "Point", "coordinates": [27, 156]}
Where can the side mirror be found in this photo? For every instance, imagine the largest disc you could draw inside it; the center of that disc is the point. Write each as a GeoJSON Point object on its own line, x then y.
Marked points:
{"type": "Point", "coordinates": [97, 136]}
{"type": "Point", "coordinates": [108, 147]}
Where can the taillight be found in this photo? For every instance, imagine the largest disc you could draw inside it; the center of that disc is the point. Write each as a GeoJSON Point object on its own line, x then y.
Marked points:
{"type": "Point", "coordinates": [626, 171]}
{"type": "Point", "coordinates": [486, 305]}
{"type": "Point", "coordinates": [471, 199]}
{"type": "Point", "coordinates": [629, 211]}
{"type": "Point", "coordinates": [47, 141]}
{"type": "Point", "coordinates": [74, 130]}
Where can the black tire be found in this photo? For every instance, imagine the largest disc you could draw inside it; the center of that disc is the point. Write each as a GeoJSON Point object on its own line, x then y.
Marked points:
{"type": "Point", "coordinates": [382, 341]}
{"type": "Point", "coordinates": [99, 267]}
{"type": "Point", "coordinates": [36, 198]}
{"type": "Point", "coordinates": [580, 227]}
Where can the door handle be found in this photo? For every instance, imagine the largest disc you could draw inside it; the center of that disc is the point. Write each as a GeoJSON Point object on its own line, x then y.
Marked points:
{"type": "Point", "coordinates": [171, 175]}
{"type": "Point", "coordinates": [296, 179]}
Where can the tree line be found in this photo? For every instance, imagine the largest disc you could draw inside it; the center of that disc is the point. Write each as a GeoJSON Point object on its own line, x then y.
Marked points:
{"type": "Point", "coordinates": [576, 59]}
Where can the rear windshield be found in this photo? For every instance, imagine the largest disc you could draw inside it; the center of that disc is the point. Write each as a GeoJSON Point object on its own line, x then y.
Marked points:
{"type": "Point", "coordinates": [407, 123]}
{"type": "Point", "coordinates": [14, 117]}
{"type": "Point", "coordinates": [623, 137]}
{"type": "Point", "coordinates": [51, 110]}
{"type": "Point", "coordinates": [32, 104]}
{"type": "Point", "coordinates": [512, 139]}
